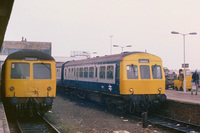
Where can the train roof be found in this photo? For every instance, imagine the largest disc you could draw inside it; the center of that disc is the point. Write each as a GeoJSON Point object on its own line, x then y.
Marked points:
{"type": "Point", "coordinates": [103, 59]}
{"type": "Point", "coordinates": [22, 54]}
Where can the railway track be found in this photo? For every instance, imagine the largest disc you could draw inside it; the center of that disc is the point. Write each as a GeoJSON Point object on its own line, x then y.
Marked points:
{"type": "Point", "coordinates": [173, 124]}
{"type": "Point", "coordinates": [36, 124]}
{"type": "Point", "coordinates": [169, 124]}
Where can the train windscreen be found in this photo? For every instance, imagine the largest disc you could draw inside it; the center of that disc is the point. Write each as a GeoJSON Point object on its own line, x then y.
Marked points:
{"type": "Point", "coordinates": [41, 71]}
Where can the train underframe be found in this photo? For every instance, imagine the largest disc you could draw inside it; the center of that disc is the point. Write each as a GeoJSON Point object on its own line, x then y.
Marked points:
{"type": "Point", "coordinates": [29, 106]}
{"type": "Point", "coordinates": [127, 103]}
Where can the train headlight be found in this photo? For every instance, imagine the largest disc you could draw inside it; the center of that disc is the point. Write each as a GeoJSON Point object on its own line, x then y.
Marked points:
{"type": "Point", "coordinates": [49, 88]}
{"type": "Point", "coordinates": [159, 89]}
{"type": "Point", "coordinates": [12, 88]}
{"type": "Point", "coordinates": [131, 89]}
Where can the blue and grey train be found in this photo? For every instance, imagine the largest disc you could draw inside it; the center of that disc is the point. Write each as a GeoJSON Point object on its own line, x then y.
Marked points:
{"type": "Point", "coordinates": [133, 81]}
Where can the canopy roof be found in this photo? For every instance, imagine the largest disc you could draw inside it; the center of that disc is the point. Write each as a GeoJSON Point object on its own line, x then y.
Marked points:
{"type": "Point", "coordinates": [5, 11]}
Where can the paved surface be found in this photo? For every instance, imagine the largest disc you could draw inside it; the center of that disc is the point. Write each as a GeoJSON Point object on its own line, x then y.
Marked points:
{"type": "Point", "coordinates": [183, 97]}
{"type": "Point", "coordinates": [3, 120]}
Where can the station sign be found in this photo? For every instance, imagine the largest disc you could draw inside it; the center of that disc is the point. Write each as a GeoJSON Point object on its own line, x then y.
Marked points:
{"type": "Point", "coordinates": [185, 65]}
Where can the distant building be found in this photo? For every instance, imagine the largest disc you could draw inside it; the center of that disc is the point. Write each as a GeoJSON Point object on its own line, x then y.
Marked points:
{"type": "Point", "coordinates": [10, 47]}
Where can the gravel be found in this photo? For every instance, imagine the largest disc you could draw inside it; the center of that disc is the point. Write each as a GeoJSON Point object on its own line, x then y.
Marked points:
{"type": "Point", "coordinates": [80, 117]}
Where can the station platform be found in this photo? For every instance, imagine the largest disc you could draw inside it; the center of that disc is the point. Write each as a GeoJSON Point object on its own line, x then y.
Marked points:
{"type": "Point", "coordinates": [4, 128]}
{"type": "Point", "coordinates": [181, 96]}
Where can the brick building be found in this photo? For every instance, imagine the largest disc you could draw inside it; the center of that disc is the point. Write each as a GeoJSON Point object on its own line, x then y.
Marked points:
{"type": "Point", "coordinates": [9, 47]}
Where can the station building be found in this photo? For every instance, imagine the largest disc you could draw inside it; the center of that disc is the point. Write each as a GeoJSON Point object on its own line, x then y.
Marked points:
{"type": "Point", "coordinates": [9, 47]}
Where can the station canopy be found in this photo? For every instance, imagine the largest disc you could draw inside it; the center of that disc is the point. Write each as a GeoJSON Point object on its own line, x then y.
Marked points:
{"type": "Point", "coordinates": [5, 11]}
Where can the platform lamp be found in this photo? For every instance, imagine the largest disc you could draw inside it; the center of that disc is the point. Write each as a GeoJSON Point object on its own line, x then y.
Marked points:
{"type": "Point", "coordinates": [122, 47]}
{"type": "Point", "coordinates": [192, 33]}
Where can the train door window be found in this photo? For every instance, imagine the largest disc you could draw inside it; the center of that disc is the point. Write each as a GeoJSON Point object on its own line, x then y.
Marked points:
{"type": "Point", "coordinates": [96, 72]}
{"type": "Point", "coordinates": [132, 71]}
{"type": "Point", "coordinates": [20, 70]}
{"type": "Point", "coordinates": [81, 72]}
{"type": "Point", "coordinates": [58, 73]}
{"type": "Point", "coordinates": [85, 72]}
{"type": "Point", "coordinates": [117, 72]}
{"type": "Point", "coordinates": [102, 72]}
{"type": "Point", "coordinates": [65, 70]}
{"type": "Point", "coordinates": [156, 71]}
{"type": "Point", "coordinates": [68, 73]}
{"type": "Point", "coordinates": [91, 72]}
{"type": "Point", "coordinates": [72, 73]}
{"type": "Point", "coordinates": [144, 72]}
{"type": "Point", "coordinates": [77, 72]}
{"type": "Point", "coordinates": [41, 71]}
{"type": "Point", "coordinates": [110, 72]}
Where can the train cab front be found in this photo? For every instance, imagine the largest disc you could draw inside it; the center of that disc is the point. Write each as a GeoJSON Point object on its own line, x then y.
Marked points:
{"type": "Point", "coordinates": [142, 80]}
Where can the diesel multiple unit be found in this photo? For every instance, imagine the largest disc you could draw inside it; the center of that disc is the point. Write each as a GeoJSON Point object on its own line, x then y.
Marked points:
{"type": "Point", "coordinates": [133, 81]}
{"type": "Point", "coordinates": [29, 81]}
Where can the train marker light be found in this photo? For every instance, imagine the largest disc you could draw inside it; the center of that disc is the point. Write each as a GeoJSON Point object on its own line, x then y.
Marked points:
{"type": "Point", "coordinates": [49, 88]}
{"type": "Point", "coordinates": [12, 88]}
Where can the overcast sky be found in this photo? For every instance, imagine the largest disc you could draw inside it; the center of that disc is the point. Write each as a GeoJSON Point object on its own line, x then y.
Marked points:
{"type": "Point", "coordinates": [86, 25]}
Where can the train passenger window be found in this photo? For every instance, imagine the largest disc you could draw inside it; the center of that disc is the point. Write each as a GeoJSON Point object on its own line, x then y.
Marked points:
{"type": "Point", "coordinates": [91, 72]}
{"type": "Point", "coordinates": [132, 72]}
{"type": "Point", "coordinates": [144, 72]}
{"type": "Point", "coordinates": [81, 72]}
{"type": "Point", "coordinates": [65, 72]}
{"type": "Point", "coordinates": [102, 72]}
{"type": "Point", "coordinates": [110, 72]}
{"type": "Point", "coordinates": [20, 70]}
{"type": "Point", "coordinates": [85, 72]}
{"type": "Point", "coordinates": [41, 71]}
{"type": "Point", "coordinates": [72, 72]}
{"type": "Point", "coordinates": [156, 71]}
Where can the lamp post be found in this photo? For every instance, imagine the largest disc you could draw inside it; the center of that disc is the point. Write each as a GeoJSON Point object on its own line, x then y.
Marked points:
{"type": "Point", "coordinates": [192, 33]}
{"type": "Point", "coordinates": [111, 44]}
{"type": "Point", "coordinates": [122, 47]}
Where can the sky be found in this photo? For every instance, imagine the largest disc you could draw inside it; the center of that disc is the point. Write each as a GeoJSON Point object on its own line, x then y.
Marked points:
{"type": "Point", "coordinates": [86, 25]}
